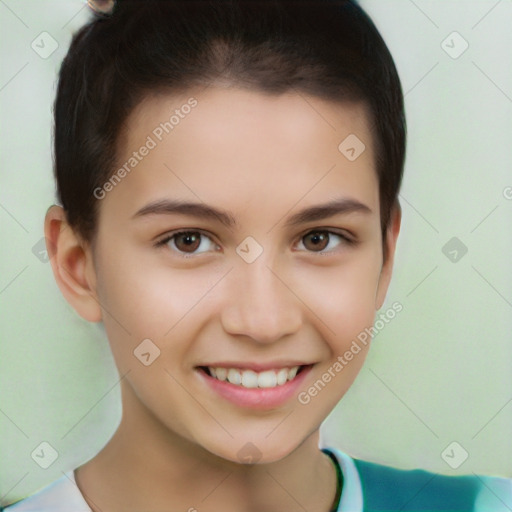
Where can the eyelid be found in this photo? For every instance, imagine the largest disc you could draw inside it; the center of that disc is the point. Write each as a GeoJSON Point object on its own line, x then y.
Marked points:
{"type": "Point", "coordinates": [170, 234]}
{"type": "Point", "coordinates": [345, 233]}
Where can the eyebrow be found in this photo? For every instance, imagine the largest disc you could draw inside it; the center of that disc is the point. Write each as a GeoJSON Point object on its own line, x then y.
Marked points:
{"type": "Point", "coordinates": [203, 211]}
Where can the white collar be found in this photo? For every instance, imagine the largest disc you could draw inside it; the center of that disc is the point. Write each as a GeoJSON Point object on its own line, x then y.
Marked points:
{"type": "Point", "coordinates": [351, 494]}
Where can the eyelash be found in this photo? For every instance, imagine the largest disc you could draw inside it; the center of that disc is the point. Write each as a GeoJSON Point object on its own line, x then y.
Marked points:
{"type": "Point", "coordinates": [163, 242]}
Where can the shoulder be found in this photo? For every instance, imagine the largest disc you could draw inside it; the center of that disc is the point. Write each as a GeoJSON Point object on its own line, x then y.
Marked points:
{"type": "Point", "coordinates": [387, 488]}
{"type": "Point", "coordinates": [62, 495]}
{"type": "Point", "coordinates": [390, 488]}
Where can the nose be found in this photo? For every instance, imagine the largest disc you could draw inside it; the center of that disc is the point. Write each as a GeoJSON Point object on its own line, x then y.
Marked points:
{"type": "Point", "coordinates": [260, 304]}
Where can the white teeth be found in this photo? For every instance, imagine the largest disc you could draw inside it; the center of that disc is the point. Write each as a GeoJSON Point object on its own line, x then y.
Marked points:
{"type": "Point", "coordinates": [249, 379]}
{"type": "Point", "coordinates": [234, 376]}
{"type": "Point", "coordinates": [252, 379]}
{"type": "Point", "coordinates": [293, 372]}
{"type": "Point", "coordinates": [267, 379]}
{"type": "Point", "coordinates": [282, 376]}
{"type": "Point", "coordinates": [220, 373]}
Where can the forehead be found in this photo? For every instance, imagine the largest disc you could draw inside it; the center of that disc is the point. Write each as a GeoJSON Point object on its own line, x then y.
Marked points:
{"type": "Point", "coordinates": [229, 146]}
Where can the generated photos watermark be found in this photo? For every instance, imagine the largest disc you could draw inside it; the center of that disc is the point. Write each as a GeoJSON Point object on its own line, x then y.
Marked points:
{"type": "Point", "coordinates": [152, 141]}
{"type": "Point", "coordinates": [305, 397]}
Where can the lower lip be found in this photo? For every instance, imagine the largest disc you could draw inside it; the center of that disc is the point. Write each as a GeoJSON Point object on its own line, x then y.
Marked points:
{"type": "Point", "coordinates": [256, 398]}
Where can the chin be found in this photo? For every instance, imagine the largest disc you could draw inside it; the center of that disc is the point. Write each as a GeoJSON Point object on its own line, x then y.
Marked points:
{"type": "Point", "coordinates": [261, 451]}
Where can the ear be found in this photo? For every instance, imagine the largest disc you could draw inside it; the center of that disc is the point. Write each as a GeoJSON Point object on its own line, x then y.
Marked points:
{"type": "Point", "coordinates": [72, 264]}
{"type": "Point", "coordinates": [387, 266]}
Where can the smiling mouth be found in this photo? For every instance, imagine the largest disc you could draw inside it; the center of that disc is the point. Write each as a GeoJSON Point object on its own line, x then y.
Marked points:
{"type": "Point", "coordinates": [251, 379]}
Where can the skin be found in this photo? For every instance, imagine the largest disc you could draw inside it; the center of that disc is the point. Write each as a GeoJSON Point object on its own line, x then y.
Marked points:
{"type": "Point", "coordinates": [262, 158]}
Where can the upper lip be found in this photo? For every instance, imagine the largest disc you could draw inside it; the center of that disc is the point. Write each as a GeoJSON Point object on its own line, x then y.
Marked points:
{"type": "Point", "coordinates": [257, 367]}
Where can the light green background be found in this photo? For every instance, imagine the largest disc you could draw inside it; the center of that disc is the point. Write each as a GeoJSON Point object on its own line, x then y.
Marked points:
{"type": "Point", "coordinates": [440, 372]}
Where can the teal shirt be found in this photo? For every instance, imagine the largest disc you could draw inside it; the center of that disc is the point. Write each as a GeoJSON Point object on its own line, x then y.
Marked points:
{"type": "Point", "coordinates": [365, 487]}
{"type": "Point", "coordinates": [384, 488]}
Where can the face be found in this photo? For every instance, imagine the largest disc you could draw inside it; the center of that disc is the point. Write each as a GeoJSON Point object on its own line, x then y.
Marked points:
{"type": "Point", "coordinates": [217, 249]}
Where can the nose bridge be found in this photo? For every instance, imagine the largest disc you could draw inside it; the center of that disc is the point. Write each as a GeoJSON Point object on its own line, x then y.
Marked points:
{"type": "Point", "coordinates": [260, 304]}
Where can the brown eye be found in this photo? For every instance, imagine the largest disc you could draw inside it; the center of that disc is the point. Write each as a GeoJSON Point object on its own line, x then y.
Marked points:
{"type": "Point", "coordinates": [188, 243]}
{"type": "Point", "coordinates": [319, 240]}
{"type": "Point", "coordinates": [316, 240]}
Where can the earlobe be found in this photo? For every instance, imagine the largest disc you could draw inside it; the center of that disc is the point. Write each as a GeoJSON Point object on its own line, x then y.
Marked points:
{"type": "Point", "coordinates": [72, 265]}
{"type": "Point", "coordinates": [387, 267]}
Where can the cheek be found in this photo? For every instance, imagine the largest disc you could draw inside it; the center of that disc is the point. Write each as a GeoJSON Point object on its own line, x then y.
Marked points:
{"type": "Point", "coordinates": [342, 298]}
{"type": "Point", "coordinates": [344, 301]}
{"type": "Point", "coordinates": [141, 301]}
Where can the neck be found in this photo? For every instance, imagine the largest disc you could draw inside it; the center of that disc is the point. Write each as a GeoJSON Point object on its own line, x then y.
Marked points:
{"type": "Point", "coordinates": [146, 465]}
